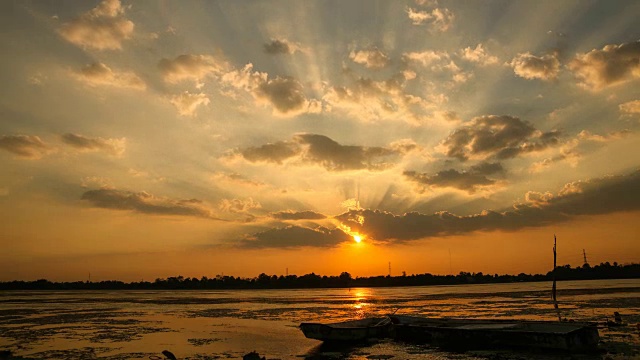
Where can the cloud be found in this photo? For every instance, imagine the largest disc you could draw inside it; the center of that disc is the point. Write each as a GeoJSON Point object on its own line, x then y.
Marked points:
{"type": "Point", "coordinates": [478, 55]}
{"type": "Point", "coordinates": [372, 58]}
{"type": "Point", "coordinates": [323, 151]}
{"type": "Point", "coordinates": [594, 197]}
{"type": "Point", "coordinates": [570, 156]}
{"type": "Point", "coordinates": [295, 237]}
{"type": "Point", "coordinates": [615, 135]}
{"type": "Point", "coordinates": [96, 181]}
{"type": "Point", "coordinates": [437, 62]}
{"type": "Point", "coordinates": [529, 66]}
{"type": "Point", "coordinates": [572, 150]}
{"type": "Point", "coordinates": [631, 107]}
{"type": "Point", "coordinates": [276, 152]}
{"type": "Point", "coordinates": [298, 215]}
{"type": "Point", "coordinates": [404, 146]}
{"type": "Point", "coordinates": [188, 103]}
{"type": "Point", "coordinates": [438, 19]}
{"type": "Point", "coordinates": [502, 137]}
{"type": "Point", "coordinates": [99, 74]}
{"type": "Point", "coordinates": [101, 28]}
{"type": "Point", "coordinates": [614, 64]}
{"type": "Point", "coordinates": [236, 179]}
{"type": "Point", "coordinates": [146, 203]}
{"type": "Point", "coordinates": [238, 205]}
{"type": "Point", "coordinates": [114, 147]}
{"type": "Point", "coordinates": [26, 146]}
{"type": "Point", "coordinates": [470, 180]}
{"type": "Point", "coordinates": [425, 58]}
{"type": "Point", "coordinates": [280, 46]}
{"type": "Point", "coordinates": [190, 67]}
{"type": "Point", "coordinates": [285, 94]}
{"type": "Point", "coordinates": [370, 100]}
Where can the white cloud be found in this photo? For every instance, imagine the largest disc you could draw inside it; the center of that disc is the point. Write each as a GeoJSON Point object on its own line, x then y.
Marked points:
{"type": "Point", "coordinates": [188, 103]}
{"type": "Point", "coordinates": [370, 100]}
{"type": "Point", "coordinates": [239, 205]}
{"type": "Point", "coordinates": [631, 107]}
{"type": "Point", "coordinates": [425, 58]}
{"type": "Point", "coordinates": [191, 67]}
{"type": "Point", "coordinates": [478, 55]}
{"type": "Point", "coordinates": [372, 58]}
{"type": "Point", "coordinates": [438, 62]}
{"type": "Point", "coordinates": [438, 19]}
{"type": "Point", "coordinates": [102, 28]}
{"type": "Point", "coordinates": [529, 66]}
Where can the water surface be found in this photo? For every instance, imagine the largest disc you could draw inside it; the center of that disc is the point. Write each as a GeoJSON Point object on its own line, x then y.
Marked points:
{"type": "Point", "coordinates": [202, 324]}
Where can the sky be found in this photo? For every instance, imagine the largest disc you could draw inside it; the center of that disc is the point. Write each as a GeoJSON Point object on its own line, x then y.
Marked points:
{"type": "Point", "coordinates": [147, 139]}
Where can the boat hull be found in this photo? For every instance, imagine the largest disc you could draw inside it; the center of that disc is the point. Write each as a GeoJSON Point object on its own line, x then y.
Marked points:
{"type": "Point", "coordinates": [484, 334]}
{"type": "Point", "coordinates": [349, 331]}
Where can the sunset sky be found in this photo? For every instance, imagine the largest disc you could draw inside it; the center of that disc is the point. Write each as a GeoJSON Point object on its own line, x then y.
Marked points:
{"type": "Point", "coordinates": [146, 139]}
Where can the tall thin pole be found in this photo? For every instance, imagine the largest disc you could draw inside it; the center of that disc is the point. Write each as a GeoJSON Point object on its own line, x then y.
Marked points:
{"type": "Point", "coordinates": [553, 288]}
{"type": "Point", "coordinates": [389, 268]}
{"type": "Point", "coordinates": [584, 255]}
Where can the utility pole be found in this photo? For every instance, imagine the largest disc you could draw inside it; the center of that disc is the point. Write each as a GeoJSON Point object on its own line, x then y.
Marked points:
{"type": "Point", "coordinates": [389, 268]}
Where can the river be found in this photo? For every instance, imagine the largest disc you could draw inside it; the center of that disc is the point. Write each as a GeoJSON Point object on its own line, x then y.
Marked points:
{"type": "Point", "coordinates": [112, 325]}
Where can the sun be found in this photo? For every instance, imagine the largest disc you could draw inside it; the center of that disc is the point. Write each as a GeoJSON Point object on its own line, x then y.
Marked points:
{"type": "Point", "coordinates": [357, 238]}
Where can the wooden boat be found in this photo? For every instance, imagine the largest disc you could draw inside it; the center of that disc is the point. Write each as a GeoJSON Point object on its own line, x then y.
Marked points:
{"type": "Point", "coordinates": [477, 333]}
{"type": "Point", "coordinates": [348, 331]}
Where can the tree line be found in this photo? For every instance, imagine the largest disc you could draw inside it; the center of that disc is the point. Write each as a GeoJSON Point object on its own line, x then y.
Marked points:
{"type": "Point", "coordinates": [344, 280]}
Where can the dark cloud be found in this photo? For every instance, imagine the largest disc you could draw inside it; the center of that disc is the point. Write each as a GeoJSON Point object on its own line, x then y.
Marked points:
{"type": "Point", "coordinates": [99, 74]}
{"type": "Point", "coordinates": [595, 197]}
{"type": "Point", "coordinates": [112, 146]}
{"type": "Point", "coordinates": [502, 137]}
{"type": "Point", "coordinates": [276, 152]}
{"type": "Point", "coordinates": [612, 65]}
{"type": "Point", "coordinates": [276, 46]}
{"type": "Point", "coordinates": [143, 202]}
{"type": "Point", "coordinates": [321, 150]}
{"type": "Point", "coordinates": [298, 215]}
{"type": "Point", "coordinates": [284, 93]}
{"type": "Point", "coordinates": [336, 157]}
{"type": "Point", "coordinates": [295, 237]}
{"type": "Point", "coordinates": [26, 146]}
{"type": "Point", "coordinates": [470, 181]}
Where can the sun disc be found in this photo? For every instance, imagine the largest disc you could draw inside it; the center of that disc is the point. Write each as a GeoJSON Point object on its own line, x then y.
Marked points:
{"type": "Point", "coordinates": [357, 238]}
